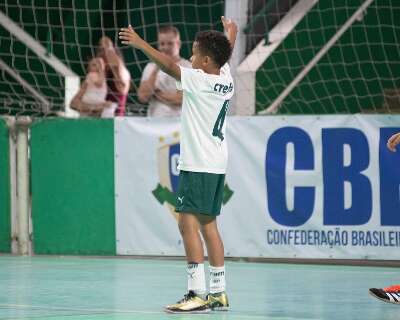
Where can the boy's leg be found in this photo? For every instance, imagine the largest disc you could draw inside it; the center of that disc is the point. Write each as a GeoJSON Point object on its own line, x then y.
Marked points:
{"type": "Point", "coordinates": [200, 194]}
{"type": "Point", "coordinates": [187, 222]}
{"type": "Point", "coordinates": [215, 247]}
{"type": "Point", "coordinates": [217, 298]}
{"type": "Point", "coordinates": [195, 301]}
{"type": "Point", "coordinates": [189, 229]}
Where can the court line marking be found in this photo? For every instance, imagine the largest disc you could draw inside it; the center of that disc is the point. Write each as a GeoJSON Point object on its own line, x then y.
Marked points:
{"type": "Point", "coordinates": [57, 308]}
{"type": "Point", "coordinates": [52, 316]}
{"type": "Point", "coordinates": [231, 314]}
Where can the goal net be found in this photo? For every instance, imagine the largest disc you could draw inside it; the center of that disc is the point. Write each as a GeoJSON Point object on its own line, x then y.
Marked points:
{"type": "Point", "coordinates": [299, 56]}
{"type": "Point", "coordinates": [45, 45]}
{"type": "Point", "coordinates": [343, 56]}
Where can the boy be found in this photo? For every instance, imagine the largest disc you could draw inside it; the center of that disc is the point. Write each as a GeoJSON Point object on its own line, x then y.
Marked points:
{"type": "Point", "coordinates": [207, 89]}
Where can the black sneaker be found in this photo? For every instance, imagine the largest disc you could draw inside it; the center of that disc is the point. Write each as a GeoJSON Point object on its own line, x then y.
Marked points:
{"type": "Point", "coordinates": [389, 294]}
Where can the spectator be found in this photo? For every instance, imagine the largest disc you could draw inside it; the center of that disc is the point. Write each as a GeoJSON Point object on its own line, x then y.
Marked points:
{"type": "Point", "coordinates": [390, 294]}
{"type": "Point", "coordinates": [393, 141]}
{"type": "Point", "coordinates": [156, 87]}
{"type": "Point", "coordinates": [91, 98]}
{"type": "Point", "coordinates": [117, 75]}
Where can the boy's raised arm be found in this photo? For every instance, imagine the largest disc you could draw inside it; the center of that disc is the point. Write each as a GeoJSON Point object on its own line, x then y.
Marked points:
{"type": "Point", "coordinates": [166, 64]}
{"type": "Point", "coordinates": [231, 30]}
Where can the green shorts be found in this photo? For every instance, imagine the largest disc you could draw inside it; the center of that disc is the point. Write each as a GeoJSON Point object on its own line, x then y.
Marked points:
{"type": "Point", "coordinates": [200, 192]}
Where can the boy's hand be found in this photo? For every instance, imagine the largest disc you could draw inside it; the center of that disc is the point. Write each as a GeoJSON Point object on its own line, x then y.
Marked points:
{"type": "Point", "coordinates": [229, 25]}
{"type": "Point", "coordinates": [129, 36]}
{"type": "Point", "coordinates": [393, 141]}
{"type": "Point", "coordinates": [165, 63]}
{"type": "Point", "coordinates": [231, 30]}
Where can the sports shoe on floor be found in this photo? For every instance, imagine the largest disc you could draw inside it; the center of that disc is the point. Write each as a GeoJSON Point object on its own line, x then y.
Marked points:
{"type": "Point", "coordinates": [191, 303]}
{"type": "Point", "coordinates": [218, 301]}
{"type": "Point", "coordinates": [389, 294]}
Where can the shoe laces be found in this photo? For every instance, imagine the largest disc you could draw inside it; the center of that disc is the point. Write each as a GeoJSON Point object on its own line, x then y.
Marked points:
{"type": "Point", "coordinates": [187, 296]}
{"type": "Point", "coordinates": [395, 288]}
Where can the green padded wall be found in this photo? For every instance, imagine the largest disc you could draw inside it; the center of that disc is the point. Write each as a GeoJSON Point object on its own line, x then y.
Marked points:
{"type": "Point", "coordinates": [5, 223]}
{"type": "Point", "coordinates": [72, 178]}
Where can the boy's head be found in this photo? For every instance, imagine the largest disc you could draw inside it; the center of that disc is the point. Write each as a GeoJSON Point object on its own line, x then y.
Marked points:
{"type": "Point", "coordinates": [169, 41]}
{"type": "Point", "coordinates": [210, 49]}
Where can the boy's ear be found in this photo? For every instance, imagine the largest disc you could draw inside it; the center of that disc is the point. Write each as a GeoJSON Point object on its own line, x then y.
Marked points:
{"type": "Point", "coordinates": [207, 60]}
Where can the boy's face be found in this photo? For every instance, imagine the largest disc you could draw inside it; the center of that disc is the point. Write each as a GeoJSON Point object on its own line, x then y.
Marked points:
{"type": "Point", "coordinates": [169, 44]}
{"type": "Point", "coordinates": [197, 59]}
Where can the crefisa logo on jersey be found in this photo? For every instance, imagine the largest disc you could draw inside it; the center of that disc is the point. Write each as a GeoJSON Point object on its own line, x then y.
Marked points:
{"type": "Point", "coordinates": [167, 158]}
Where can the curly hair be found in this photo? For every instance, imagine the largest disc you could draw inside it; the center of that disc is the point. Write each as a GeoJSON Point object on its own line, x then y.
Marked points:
{"type": "Point", "coordinates": [214, 44]}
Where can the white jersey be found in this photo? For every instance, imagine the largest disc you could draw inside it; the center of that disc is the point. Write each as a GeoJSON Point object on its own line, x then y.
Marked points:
{"type": "Point", "coordinates": [204, 107]}
{"type": "Point", "coordinates": [164, 82]}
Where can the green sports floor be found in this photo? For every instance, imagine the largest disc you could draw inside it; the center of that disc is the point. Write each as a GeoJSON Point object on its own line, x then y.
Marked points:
{"type": "Point", "coordinates": [72, 288]}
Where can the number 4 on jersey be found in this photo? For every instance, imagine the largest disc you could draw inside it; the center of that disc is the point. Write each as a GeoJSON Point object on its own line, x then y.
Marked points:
{"type": "Point", "coordinates": [219, 123]}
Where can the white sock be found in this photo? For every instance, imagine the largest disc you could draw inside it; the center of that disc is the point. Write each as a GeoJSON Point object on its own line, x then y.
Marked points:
{"type": "Point", "coordinates": [196, 278]}
{"type": "Point", "coordinates": [217, 279]}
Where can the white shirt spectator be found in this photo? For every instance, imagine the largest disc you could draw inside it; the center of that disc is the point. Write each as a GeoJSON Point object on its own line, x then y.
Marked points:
{"type": "Point", "coordinates": [164, 83]}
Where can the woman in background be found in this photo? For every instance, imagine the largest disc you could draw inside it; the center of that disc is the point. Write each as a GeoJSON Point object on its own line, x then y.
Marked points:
{"type": "Point", "coordinates": [117, 75]}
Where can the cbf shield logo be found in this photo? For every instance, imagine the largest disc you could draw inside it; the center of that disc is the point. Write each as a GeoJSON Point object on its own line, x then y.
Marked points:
{"type": "Point", "coordinates": [167, 158]}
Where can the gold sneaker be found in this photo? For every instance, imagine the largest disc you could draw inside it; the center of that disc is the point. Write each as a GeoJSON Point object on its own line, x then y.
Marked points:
{"type": "Point", "coordinates": [191, 303]}
{"type": "Point", "coordinates": [218, 301]}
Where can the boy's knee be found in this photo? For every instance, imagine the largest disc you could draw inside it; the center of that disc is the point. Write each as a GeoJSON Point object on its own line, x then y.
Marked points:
{"type": "Point", "coordinates": [181, 226]}
{"type": "Point", "coordinates": [208, 231]}
{"type": "Point", "coordinates": [186, 225]}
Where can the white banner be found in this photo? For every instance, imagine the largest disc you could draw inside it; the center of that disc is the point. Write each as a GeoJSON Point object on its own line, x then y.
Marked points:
{"type": "Point", "coordinates": [297, 186]}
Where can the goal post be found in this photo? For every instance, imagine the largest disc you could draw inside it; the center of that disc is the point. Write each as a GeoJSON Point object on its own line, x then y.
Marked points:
{"type": "Point", "coordinates": [71, 79]}
{"type": "Point", "coordinates": [246, 72]}
{"type": "Point", "coordinates": [340, 57]}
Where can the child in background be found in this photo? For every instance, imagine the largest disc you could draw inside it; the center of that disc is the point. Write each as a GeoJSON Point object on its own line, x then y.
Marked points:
{"type": "Point", "coordinates": [91, 98]}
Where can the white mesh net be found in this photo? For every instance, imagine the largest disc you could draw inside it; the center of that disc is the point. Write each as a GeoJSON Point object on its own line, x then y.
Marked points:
{"type": "Point", "coordinates": [341, 56]}
{"type": "Point", "coordinates": [69, 31]}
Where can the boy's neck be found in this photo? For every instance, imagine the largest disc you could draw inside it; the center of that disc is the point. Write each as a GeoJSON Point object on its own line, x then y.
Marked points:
{"type": "Point", "coordinates": [212, 70]}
